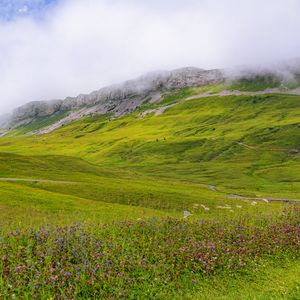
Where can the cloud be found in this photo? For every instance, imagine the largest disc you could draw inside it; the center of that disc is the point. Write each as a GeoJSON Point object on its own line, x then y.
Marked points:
{"type": "Point", "coordinates": [23, 10]}
{"type": "Point", "coordinates": [77, 46]}
{"type": "Point", "coordinates": [11, 9]}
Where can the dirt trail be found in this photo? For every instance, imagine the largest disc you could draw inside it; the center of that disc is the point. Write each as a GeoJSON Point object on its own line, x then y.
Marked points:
{"type": "Point", "coordinates": [266, 199]}
{"type": "Point", "coordinates": [235, 93]}
{"type": "Point", "coordinates": [213, 188]}
{"type": "Point", "coordinates": [37, 180]}
{"type": "Point", "coordinates": [157, 111]}
{"type": "Point", "coordinates": [269, 149]}
{"type": "Point", "coordinates": [162, 109]}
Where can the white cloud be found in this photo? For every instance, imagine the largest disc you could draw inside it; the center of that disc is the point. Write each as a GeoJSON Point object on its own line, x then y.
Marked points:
{"type": "Point", "coordinates": [23, 9]}
{"type": "Point", "coordinates": [81, 45]}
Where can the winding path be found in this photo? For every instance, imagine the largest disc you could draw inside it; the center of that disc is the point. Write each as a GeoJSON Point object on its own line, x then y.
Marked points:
{"type": "Point", "coordinates": [210, 186]}
{"type": "Point", "coordinates": [268, 149]}
{"type": "Point", "coordinates": [161, 110]}
{"type": "Point", "coordinates": [37, 180]}
{"type": "Point", "coordinates": [265, 199]}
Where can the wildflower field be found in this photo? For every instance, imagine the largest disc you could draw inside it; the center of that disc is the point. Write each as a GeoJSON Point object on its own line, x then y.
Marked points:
{"type": "Point", "coordinates": [145, 259]}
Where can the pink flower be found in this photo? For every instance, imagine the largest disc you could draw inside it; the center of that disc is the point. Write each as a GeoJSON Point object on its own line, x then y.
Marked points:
{"type": "Point", "coordinates": [54, 278]}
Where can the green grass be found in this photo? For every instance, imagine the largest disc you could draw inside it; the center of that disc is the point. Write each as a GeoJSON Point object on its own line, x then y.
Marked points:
{"type": "Point", "coordinates": [198, 141]}
{"type": "Point", "coordinates": [154, 259]}
{"type": "Point", "coordinates": [256, 83]}
{"type": "Point", "coordinates": [271, 280]}
{"type": "Point", "coordinates": [137, 167]}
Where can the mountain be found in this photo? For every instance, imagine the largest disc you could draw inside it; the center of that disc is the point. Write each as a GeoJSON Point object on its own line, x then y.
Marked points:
{"type": "Point", "coordinates": [121, 99]}
{"type": "Point", "coordinates": [190, 147]}
{"type": "Point", "coordinates": [224, 155]}
{"type": "Point", "coordinates": [117, 99]}
{"type": "Point", "coordinates": [4, 122]}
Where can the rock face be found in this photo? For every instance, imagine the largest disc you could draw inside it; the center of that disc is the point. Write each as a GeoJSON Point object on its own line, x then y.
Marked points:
{"type": "Point", "coordinates": [34, 110]}
{"type": "Point", "coordinates": [117, 99]}
{"type": "Point", "coordinates": [4, 120]}
{"type": "Point", "coordinates": [124, 98]}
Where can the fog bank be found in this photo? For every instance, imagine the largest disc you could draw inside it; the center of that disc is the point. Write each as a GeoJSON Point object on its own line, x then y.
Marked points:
{"type": "Point", "coordinates": [77, 46]}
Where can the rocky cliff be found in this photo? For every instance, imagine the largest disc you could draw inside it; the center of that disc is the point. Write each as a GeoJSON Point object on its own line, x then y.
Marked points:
{"type": "Point", "coordinates": [117, 99]}
{"type": "Point", "coordinates": [124, 98]}
{"type": "Point", "coordinates": [4, 122]}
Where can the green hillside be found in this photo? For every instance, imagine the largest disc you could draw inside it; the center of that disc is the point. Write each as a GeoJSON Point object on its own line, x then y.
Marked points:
{"type": "Point", "coordinates": [191, 157]}
{"type": "Point", "coordinates": [238, 143]}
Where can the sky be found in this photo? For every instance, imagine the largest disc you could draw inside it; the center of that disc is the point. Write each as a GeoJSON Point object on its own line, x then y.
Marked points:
{"type": "Point", "coordinates": [51, 49]}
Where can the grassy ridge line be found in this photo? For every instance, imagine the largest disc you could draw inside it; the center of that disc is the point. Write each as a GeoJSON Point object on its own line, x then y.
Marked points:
{"type": "Point", "coordinates": [59, 202]}
{"type": "Point", "coordinates": [22, 206]}
{"type": "Point", "coordinates": [131, 190]}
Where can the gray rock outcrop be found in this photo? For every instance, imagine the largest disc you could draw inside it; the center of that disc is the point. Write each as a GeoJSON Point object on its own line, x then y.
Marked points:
{"type": "Point", "coordinates": [34, 110]}
{"type": "Point", "coordinates": [124, 98]}
{"type": "Point", "coordinates": [117, 99]}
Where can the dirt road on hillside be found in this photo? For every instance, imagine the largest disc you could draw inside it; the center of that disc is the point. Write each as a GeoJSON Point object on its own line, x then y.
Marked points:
{"type": "Point", "coordinates": [265, 199]}
{"type": "Point", "coordinates": [37, 180]}
{"type": "Point", "coordinates": [162, 109]}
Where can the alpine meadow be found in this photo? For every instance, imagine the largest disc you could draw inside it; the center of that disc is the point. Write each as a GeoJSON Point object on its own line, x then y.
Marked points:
{"type": "Point", "coordinates": [181, 184]}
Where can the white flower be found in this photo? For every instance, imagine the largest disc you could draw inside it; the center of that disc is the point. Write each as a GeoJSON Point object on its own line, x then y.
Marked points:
{"type": "Point", "coordinates": [204, 207]}
{"type": "Point", "coordinates": [186, 214]}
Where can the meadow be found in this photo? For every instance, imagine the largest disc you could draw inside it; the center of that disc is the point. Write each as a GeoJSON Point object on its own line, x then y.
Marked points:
{"type": "Point", "coordinates": [100, 214]}
{"type": "Point", "coordinates": [153, 258]}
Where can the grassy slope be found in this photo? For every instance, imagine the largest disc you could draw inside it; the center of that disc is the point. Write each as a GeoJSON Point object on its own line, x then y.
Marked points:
{"type": "Point", "coordinates": [270, 281]}
{"type": "Point", "coordinates": [170, 159]}
{"type": "Point", "coordinates": [135, 167]}
{"type": "Point", "coordinates": [195, 142]}
{"type": "Point", "coordinates": [241, 144]}
{"type": "Point", "coordinates": [126, 194]}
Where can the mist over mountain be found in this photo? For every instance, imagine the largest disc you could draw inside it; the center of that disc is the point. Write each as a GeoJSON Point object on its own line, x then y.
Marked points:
{"type": "Point", "coordinates": [118, 99]}
{"type": "Point", "coordinates": [149, 149]}
{"type": "Point", "coordinates": [123, 98]}
{"type": "Point", "coordinates": [76, 46]}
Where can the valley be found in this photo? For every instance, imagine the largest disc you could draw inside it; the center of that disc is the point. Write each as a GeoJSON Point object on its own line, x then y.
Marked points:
{"type": "Point", "coordinates": [149, 150]}
{"type": "Point", "coordinates": [221, 159]}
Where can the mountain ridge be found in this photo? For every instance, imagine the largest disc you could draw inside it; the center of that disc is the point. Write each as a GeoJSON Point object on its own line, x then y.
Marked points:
{"type": "Point", "coordinates": [123, 98]}
{"type": "Point", "coordinates": [119, 98]}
